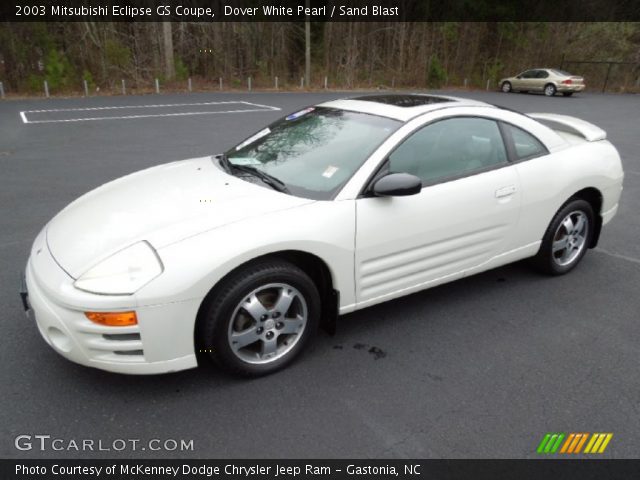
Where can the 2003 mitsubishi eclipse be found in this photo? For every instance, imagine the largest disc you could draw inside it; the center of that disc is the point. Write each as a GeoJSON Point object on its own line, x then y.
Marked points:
{"type": "Point", "coordinates": [333, 208]}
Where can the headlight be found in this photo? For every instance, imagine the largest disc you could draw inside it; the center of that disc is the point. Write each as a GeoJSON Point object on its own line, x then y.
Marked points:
{"type": "Point", "coordinates": [123, 273]}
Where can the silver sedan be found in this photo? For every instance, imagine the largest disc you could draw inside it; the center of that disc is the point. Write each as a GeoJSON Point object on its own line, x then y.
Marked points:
{"type": "Point", "coordinates": [547, 80]}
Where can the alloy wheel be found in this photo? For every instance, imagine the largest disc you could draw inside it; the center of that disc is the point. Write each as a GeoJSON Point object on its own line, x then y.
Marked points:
{"type": "Point", "coordinates": [267, 323]}
{"type": "Point", "coordinates": [570, 238]}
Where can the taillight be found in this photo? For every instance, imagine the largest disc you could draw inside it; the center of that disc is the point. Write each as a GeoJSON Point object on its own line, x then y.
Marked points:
{"type": "Point", "coordinates": [567, 82]}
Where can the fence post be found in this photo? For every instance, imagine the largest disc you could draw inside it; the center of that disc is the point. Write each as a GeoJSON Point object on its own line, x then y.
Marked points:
{"type": "Point", "coordinates": [157, 86]}
{"type": "Point", "coordinates": [393, 83]}
{"type": "Point", "coordinates": [276, 83]}
{"type": "Point", "coordinates": [124, 88]}
{"type": "Point", "coordinates": [301, 82]}
{"type": "Point", "coordinates": [220, 79]}
{"type": "Point", "coordinates": [46, 89]}
{"type": "Point", "coordinates": [249, 83]}
{"type": "Point", "coordinates": [465, 83]}
{"type": "Point", "coordinates": [86, 87]}
{"type": "Point", "coordinates": [189, 84]}
{"type": "Point", "coordinates": [488, 82]}
{"type": "Point", "coordinates": [1, 90]}
{"type": "Point", "coordinates": [326, 80]}
{"type": "Point", "coordinates": [606, 79]}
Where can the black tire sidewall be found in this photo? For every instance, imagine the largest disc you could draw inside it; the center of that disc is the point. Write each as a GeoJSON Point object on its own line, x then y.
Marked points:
{"type": "Point", "coordinates": [214, 332]}
{"type": "Point", "coordinates": [545, 255]}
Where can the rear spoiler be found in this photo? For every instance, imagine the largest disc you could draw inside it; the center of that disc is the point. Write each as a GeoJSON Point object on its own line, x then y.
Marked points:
{"type": "Point", "coordinates": [572, 125]}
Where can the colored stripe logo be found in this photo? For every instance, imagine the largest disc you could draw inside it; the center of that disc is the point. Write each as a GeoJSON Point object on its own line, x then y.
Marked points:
{"type": "Point", "coordinates": [574, 442]}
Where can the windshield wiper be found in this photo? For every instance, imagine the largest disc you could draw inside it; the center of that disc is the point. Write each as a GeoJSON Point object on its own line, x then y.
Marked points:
{"type": "Point", "coordinates": [270, 180]}
{"type": "Point", "coordinates": [224, 162]}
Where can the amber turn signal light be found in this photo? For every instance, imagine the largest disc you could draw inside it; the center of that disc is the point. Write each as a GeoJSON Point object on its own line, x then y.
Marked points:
{"type": "Point", "coordinates": [113, 319]}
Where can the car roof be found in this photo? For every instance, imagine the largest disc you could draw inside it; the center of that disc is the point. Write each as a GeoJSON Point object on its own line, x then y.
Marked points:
{"type": "Point", "coordinates": [401, 106]}
{"type": "Point", "coordinates": [548, 69]}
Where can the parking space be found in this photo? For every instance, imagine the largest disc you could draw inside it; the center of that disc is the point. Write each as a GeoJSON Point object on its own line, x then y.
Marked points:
{"type": "Point", "coordinates": [125, 112]}
{"type": "Point", "coordinates": [482, 367]}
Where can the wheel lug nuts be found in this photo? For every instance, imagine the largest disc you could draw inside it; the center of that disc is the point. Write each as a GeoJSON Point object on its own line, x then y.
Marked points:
{"type": "Point", "coordinates": [279, 325]}
{"type": "Point", "coordinates": [269, 335]}
{"type": "Point", "coordinates": [264, 317]}
{"type": "Point", "coordinates": [260, 330]}
{"type": "Point", "coordinates": [275, 315]}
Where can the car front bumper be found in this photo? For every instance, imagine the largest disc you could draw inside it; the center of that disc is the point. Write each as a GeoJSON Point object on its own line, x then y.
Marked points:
{"type": "Point", "coordinates": [161, 342]}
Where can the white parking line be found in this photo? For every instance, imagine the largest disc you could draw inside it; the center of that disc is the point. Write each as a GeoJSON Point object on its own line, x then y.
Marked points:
{"type": "Point", "coordinates": [262, 108]}
{"type": "Point", "coordinates": [618, 255]}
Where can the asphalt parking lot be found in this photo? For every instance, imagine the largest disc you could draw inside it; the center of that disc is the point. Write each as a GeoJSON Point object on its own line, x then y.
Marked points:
{"type": "Point", "coordinates": [482, 367]}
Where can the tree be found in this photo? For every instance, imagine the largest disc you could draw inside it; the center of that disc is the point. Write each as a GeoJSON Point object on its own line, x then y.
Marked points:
{"type": "Point", "coordinates": [169, 65]}
{"type": "Point", "coordinates": [307, 48]}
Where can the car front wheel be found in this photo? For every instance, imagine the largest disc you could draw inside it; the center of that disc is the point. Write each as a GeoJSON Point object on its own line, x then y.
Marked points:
{"type": "Point", "coordinates": [260, 319]}
{"type": "Point", "coordinates": [566, 239]}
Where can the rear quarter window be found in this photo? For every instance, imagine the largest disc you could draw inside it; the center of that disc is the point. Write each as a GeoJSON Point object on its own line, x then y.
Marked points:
{"type": "Point", "coordinates": [525, 145]}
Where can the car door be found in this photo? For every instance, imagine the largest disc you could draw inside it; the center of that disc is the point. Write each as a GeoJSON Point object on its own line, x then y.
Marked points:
{"type": "Point", "coordinates": [524, 80]}
{"type": "Point", "coordinates": [540, 80]}
{"type": "Point", "coordinates": [463, 216]}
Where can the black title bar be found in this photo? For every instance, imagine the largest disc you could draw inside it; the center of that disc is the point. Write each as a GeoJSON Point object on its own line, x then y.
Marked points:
{"type": "Point", "coordinates": [317, 10]}
{"type": "Point", "coordinates": [583, 469]}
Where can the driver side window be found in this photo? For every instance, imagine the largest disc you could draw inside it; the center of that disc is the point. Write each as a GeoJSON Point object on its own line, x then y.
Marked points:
{"type": "Point", "coordinates": [450, 148]}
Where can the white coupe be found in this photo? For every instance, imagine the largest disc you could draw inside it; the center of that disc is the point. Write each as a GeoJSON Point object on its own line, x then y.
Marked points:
{"type": "Point", "coordinates": [240, 257]}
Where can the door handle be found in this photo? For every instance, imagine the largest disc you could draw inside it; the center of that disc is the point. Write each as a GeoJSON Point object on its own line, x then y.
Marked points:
{"type": "Point", "coordinates": [506, 191]}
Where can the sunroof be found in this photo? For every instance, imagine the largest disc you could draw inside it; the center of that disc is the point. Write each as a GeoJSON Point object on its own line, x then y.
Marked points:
{"type": "Point", "coordinates": [404, 100]}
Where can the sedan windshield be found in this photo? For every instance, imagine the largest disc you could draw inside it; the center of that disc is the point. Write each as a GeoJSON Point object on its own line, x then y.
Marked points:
{"type": "Point", "coordinates": [313, 152]}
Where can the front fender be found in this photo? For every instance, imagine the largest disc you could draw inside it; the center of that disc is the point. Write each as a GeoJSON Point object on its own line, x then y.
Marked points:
{"type": "Point", "coordinates": [192, 267]}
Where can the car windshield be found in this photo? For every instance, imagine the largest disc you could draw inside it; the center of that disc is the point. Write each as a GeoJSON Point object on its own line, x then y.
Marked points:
{"type": "Point", "coordinates": [314, 151]}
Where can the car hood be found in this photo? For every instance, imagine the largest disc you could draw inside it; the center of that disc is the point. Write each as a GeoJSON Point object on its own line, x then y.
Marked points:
{"type": "Point", "coordinates": [161, 205]}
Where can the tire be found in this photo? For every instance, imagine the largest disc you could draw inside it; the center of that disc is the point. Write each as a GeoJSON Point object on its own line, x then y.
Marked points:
{"type": "Point", "coordinates": [567, 94]}
{"type": "Point", "coordinates": [506, 87]}
{"type": "Point", "coordinates": [549, 89]}
{"type": "Point", "coordinates": [245, 309]}
{"type": "Point", "coordinates": [567, 239]}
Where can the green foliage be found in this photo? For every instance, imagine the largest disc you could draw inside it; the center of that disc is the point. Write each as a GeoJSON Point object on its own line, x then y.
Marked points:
{"type": "Point", "coordinates": [34, 83]}
{"type": "Point", "coordinates": [182, 71]}
{"type": "Point", "coordinates": [436, 76]}
{"type": "Point", "coordinates": [450, 31]}
{"type": "Point", "coordinates": [495, 71]}
{"type": "Point", "coordinates": [118, 56]}
{"type": "Point", "coordinates": [508, 30]}
{"type": "Point", "coordinates": [58, 71]}
{"type": "Point", "coordinates": [86, 75]}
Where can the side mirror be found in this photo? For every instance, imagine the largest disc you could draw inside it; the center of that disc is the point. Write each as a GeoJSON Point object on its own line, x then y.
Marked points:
{"type": "Point", "coordinates": [397, 185]}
